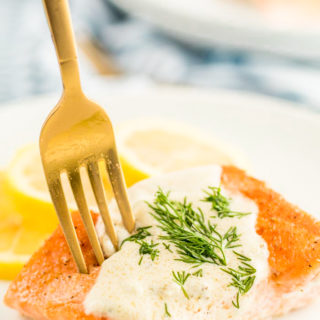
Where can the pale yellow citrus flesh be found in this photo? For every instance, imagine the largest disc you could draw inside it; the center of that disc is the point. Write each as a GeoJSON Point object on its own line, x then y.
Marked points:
{"type": "Point", "coordinates": [25, 186]}
{"type": "Point", "coordinates": [154, 147]}
{"type": "Point", "coordinates": [171, 151]}
{"type": "Point", "coordinates": [17, 241]}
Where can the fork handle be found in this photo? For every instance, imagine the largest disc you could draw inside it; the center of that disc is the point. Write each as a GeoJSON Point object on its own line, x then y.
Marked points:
{"type": "Point", "coordinates": [59, 20]}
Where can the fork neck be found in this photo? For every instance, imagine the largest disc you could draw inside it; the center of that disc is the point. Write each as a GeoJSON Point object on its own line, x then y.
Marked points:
{"type": "Point", "coordinates": [70, 75]}
{"type": "Point", "coordinates": [59, 20]}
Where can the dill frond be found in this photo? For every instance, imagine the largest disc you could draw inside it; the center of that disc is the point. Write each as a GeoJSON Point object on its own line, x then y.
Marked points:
{"type": "Point", "coordinates": [221, 204]}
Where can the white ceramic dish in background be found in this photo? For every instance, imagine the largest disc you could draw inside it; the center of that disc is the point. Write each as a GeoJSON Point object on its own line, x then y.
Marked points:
{"type": "Point", "coordinates": [227, 23]}
{"type": "Point", "coordinates": [281, 139]}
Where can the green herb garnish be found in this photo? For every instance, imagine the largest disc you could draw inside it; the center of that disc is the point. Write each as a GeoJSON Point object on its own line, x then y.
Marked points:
{"type": "Point", "coordinates": [231, 238]}
{"type": "Point", "coordinates": [167, 246]}
{"type": "Point", "coordinates": [149, 248]}
{"type": "Point", "coordinates": [180, 278]}
{"type": "Point", "coordinates": [197, 241]}
{"type": "Point", "coordinates": [145, 247]}
{"type": "Point", "coordinates": [198, 273]}
{"type": "Point", "coordinates": [242, 278]}
{"type": "Point", "coordinates": [141, 234]}
{"type": "Point", "coordinates": [241, 257]}
{"type": "Point", "coordinates": [221, 204]}
{"type": "Point", "coordinates": [236, 303]}
{"type": "Point", "coordinates": [166, 311]}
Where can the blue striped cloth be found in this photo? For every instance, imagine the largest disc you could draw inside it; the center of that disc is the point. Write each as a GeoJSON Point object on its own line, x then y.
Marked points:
{"type": "Point", "coordinates": [28, 65]}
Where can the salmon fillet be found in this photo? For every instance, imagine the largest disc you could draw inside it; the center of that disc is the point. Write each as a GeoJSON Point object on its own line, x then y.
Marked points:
{"type": "Point", "coordinates": [50, 288]}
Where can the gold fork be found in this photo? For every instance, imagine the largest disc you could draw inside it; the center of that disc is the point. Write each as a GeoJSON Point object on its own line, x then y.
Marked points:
{"type": "Point", "coordinates": [77, 136]}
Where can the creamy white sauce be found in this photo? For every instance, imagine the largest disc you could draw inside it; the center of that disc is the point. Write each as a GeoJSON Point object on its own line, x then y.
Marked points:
{"type": "Point", "coordinates": [125, 290]}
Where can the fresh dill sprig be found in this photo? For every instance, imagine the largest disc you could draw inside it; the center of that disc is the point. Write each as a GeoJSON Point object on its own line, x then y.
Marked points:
{"type": "Point", "coordinates": [236, 303]}
{"type": "Point", "coordinates": [167, 246]}
{"type": "Point", "coordinates": [231, 238]}
{"type": "Point", "coordinates": [221, 204]}
{"type": "Point", "coordinates": [166, 311]}
{"type": "Point", "coordinates": [141, 234]}
{"type": "Point", "coordinates": [197, 241]}
{"type": "Point", "coordinates": [180, 278]}
{"type": "Point", "coordinates": [242, 278]}
{"type": "Point", "coordinates": [241, 257]}
{"type": "Point", "coordinates": [145, 247]}
{"type": "Point", "coordinates": [198, 273]}
{"type": "Point", "coordinates": [149, 248]}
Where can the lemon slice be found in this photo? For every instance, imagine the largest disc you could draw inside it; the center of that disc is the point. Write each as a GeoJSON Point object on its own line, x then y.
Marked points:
{"type": "Point", "coordinates": [24, 184]}
{"type": "Point", "coordinates": [17, 242]}
{"type": "Point", "coordinates": [151, 147]}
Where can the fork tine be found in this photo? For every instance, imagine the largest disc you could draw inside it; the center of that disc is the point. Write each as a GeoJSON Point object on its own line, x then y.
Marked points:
{"type": "Point", "coordinates": [76, 185]}
{"type": "Point", "coordinates": [97, 187]}
{"type": "Point", "coordinates": [119, 189]}
{"type": "Point", "coordinates": [60, 204]}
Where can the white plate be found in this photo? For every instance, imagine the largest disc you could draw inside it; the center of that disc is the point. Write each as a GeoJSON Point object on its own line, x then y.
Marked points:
{"type": "Point", "coordinates": [221, 22]}
{"type": "Point", "coordinates": [282, 140]}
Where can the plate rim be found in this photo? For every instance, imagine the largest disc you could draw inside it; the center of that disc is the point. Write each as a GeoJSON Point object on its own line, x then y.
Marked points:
{"type": "Point", "coordinates": [275, 103]}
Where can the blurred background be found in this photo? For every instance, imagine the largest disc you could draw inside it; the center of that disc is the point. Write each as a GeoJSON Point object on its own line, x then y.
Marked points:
{"type": "Point", "coordinates": [269, 47]}
{"type": "Point", "coordinates": [265, 46]}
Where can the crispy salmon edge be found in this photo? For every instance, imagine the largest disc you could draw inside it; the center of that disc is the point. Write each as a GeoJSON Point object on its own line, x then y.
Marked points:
{"type": "Point", "coordinates": [50, 288]}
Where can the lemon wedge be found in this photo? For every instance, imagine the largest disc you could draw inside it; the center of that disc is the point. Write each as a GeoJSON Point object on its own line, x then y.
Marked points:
{"type": "Point", "coordinates": [151, 147]}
